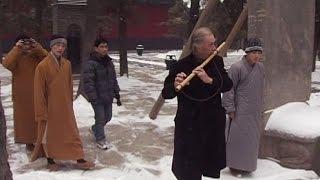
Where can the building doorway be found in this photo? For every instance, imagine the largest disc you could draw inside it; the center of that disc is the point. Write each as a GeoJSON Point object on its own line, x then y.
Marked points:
{"type": "Point", "coordinates": [74, 47]}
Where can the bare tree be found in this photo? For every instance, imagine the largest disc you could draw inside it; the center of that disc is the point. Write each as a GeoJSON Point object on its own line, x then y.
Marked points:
{"type": "Point", "coordinates": [120, 10]}
{"type": "Point", "coordinates": [316, 35]}
{"type": "Point", "coordinates": [2, 7]}
{"type": "Point", "coordinates": [31, 16]}
{"type": "Point", "coordinates": [122, 13]}
{"type": "Point", "coordinates": [39, 7]}
{"type": "Point", "coordinates": [177, 21]}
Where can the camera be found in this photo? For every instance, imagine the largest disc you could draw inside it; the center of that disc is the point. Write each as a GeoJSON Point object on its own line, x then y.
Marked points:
{"type": "Point", "coordinates": [27, 41]}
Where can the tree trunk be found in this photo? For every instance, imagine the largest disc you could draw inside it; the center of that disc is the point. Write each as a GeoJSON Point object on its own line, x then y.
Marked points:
{"type": "Point", "coordinates": [89, 34]}
{"type": "Point", "coordinates": [39, 7]}
{"type": "Point", "coordinates": [2, 7]}
{"type": "Point", "coordinates": [5, 172]}
{"type": "Point", "coordinates": [1, 50]}
{"type": "Point", "coordinates": [123, 40]}
{"type": "Point", "coordinates": [193, 15]}
{"type": "Point", "coordinates": [316, 45]}
{"type": "Point", "coordinates": [316, 35]}
{"type": "Point", "coordinates": [235, 30]}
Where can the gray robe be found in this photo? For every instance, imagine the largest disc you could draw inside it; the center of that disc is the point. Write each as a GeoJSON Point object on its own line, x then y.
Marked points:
{"type": "Point", "coordinates": [245, 99]}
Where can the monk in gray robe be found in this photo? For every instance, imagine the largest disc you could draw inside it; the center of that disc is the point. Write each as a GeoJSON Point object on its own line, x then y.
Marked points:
{"type": "Point", "coordinates": [243, 103]}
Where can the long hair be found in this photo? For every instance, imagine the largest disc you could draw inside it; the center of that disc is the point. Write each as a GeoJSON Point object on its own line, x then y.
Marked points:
{"type": "Point", "coordinates": [198, 36]}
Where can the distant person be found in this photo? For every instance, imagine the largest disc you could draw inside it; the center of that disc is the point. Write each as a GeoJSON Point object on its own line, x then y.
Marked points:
{"type": "Point", "coordinates": [243, 104]}
{"type": "Point", "coordinates": [58, 135]}
{"type": "Point", "coordinates": [22, 61]}
{"type": "Point", "coordinates": [100, 86]}
{"type": "Point", "coordinates": [199, 138]}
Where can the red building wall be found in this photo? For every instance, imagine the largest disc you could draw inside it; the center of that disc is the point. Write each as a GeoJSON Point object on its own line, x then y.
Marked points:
{"type": "Point", "coordinates": [146, 21]}
{"type": "Point", "coordinates": [146, 26]}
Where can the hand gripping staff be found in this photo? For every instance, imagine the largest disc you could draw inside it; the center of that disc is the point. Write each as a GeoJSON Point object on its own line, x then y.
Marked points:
{"type": "Point", "coordinates": [185, 81]}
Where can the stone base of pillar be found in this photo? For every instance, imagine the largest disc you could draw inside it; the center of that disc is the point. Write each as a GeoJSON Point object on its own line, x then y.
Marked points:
{"type": "Point", "coordinates": [291, 151]}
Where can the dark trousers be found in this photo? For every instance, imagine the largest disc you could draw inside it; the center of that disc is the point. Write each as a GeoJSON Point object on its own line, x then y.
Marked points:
{"type": "Point", "coordinates": [102, 115]}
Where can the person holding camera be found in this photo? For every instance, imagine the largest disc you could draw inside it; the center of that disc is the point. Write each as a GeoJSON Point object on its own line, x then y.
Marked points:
{"type": "Point", "coordinates": [22, 61]}
{"type": "Point", "coordinates": [100, 87]}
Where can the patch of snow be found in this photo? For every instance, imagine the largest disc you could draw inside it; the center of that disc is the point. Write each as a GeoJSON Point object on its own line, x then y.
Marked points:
{"type": "Point", "coordinates": [239, 52]}
{"type": "Point", "coordinates": [177, 53]}
{"type": "Point", "coordinates": [4, 72]}
{"type": "Point", "coordinates": [6, 90]}
{"type": "Point", "coordinates": [148, 62]}
{"type": "Point", "coordinates": [297, 119]}
{"type": "Point", "coordinates": [127, 83]}
{"type": "Point", "coordinates": [161, 76]}
{"type": "Point", "coordinates": [316, 76]}
{"type": "Point", "coordinates": [314, 100]}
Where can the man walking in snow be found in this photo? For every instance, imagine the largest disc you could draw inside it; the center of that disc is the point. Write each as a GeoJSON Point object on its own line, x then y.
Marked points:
{"type": "Point", "coordinates": [22, 61]}
{"type": "Point", "coordinates": [243, 103]}
{"type": "Point", "coordinates": [58, 135]}
{"type": "Point", "coordinates": [100, 86]}
{"type": "Point", "coordinates": [199, 138]}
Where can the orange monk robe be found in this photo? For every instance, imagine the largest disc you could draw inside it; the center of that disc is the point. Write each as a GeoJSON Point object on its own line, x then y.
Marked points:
{"type": "Point", "coordinates": [23, 65]}
{"type": "Point", "coordinates": [58, 134]}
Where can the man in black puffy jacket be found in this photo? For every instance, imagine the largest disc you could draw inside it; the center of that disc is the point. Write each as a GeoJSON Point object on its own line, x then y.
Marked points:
{"type": "Point", "coordinates": [100, 85]}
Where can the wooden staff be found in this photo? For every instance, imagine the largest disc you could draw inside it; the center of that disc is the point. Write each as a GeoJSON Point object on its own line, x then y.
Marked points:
{"type": "Point", "coordinates": [188, 79]}
{"type": "Point", "coordinates": [236, 28]}
{"type": "Point", "coordinates": [202, 21]}
{"type": "Point", "coordinates": [156, 107]}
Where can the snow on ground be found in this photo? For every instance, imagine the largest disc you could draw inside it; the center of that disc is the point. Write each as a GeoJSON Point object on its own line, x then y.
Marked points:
{"type": "Point", "coordinates": [142, 148]}
{"type": "Point", "coordinates": [314, 99]}
{"type": "Point", "coordinates": [177, 53]}
{"type": "Point", "coordinates": [239, 52]}
{"type": "Point", "coordinates": [316, 76]}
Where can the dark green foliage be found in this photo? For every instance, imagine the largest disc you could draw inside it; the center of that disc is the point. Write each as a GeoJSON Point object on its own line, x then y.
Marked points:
{"type": "Point", "coordinates": [178, 20]}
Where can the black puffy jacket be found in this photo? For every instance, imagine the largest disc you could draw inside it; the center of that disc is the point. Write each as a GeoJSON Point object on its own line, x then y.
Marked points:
{"type": "Point", "coordinates": [99, 79]}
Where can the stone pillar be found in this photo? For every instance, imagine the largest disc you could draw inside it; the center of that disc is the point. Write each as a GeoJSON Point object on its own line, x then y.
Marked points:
{"type": "Point", "coordinates": [286, 28]}
{"type": "Point", "coordinates": [287, 31]}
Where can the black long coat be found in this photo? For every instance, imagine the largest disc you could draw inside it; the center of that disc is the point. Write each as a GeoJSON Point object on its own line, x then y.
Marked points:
{"type": "Point", "coordinates": [199, 139]}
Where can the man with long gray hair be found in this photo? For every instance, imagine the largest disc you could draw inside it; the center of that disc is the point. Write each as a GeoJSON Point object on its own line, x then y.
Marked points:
{"type": "Point", "coordinates": [199, 141]}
